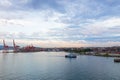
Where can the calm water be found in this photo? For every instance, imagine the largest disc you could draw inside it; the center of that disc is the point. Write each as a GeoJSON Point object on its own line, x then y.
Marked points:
{"type": "Point", "coordinates": [54, 66]}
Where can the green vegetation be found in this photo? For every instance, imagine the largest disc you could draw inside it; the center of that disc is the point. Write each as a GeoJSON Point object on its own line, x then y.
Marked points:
{"type": "Point", "coordinates": [79, 51]}
{"type": "Point", "coordinates": [106, 55]}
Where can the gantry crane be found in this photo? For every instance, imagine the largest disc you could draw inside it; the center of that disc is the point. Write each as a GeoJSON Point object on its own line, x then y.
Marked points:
{"type": "Point", "coordinates": [16, 47]}
{"type": "Point", "coordinates": [5, 47]}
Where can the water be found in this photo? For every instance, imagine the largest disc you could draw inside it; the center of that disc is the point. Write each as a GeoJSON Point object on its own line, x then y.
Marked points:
{"type": "Point", "coordinates": [54, 66]}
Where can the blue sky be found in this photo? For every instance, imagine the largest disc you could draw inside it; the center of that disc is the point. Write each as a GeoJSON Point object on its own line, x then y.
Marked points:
{"type": "Point", "coordinates": [60, 23]}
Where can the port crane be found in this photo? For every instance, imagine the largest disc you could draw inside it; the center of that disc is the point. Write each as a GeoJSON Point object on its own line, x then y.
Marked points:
{"type": "Point", "coordinates": [5, 47]}
{"type": "Point", "coordinates": [16, 47]}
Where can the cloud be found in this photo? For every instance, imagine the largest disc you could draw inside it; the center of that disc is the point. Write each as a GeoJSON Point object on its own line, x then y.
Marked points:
{"type": "Point", "coordinates": [23, 5]}
{"type": "Point", "coordinates": [104, 44]}
{"type": "Point", "coordinates": [5, 3]}
{"type": "Point", "coordinates": [102, 30]}
{"type": "Point", "coordinates": [45, 43]}
{"type": "Point", "coordinates": [32, 22]}
{"type": "Point", "coordinates": [101, 26]}
{"type": "Point", "coordinates": [75, 22]}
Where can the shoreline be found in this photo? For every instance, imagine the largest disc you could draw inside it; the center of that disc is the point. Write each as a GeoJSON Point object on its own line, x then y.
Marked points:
{"type": "Point", "coordinates": [98, 54]}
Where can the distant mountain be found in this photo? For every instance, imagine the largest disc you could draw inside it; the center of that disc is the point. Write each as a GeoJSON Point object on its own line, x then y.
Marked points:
{"type": "Point", "coordinates": [1, 47]}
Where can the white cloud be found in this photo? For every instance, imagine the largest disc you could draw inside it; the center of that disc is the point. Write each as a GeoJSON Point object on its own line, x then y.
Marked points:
{"type": "Point", "coordinates": [98, 27]}
{"type": "Point", "coordinates": [5, 3]}
{"type": "Point", "coordinates": [32, 22]}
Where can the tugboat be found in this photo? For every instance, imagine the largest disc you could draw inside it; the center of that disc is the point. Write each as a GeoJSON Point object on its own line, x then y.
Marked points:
{"type": "Point", "coordinates": [71, 55]}
{"type": "Point", "coordinates": [117, 60]}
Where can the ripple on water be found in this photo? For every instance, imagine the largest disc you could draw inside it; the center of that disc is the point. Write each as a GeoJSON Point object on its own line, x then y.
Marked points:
{"type": "Point", "coordinates": [54, 66]}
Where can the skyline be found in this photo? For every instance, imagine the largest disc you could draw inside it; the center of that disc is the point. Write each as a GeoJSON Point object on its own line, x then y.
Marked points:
{"type": "Point", "coordinates": [64, 23]}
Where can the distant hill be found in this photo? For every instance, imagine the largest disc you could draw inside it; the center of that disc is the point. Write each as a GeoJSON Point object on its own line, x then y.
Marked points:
{"type": "Point", "coordinates": [1, 47]}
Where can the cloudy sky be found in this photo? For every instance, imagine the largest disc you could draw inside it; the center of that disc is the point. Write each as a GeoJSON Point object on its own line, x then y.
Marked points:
{"type": "Point", "coordinates": [60, 23]}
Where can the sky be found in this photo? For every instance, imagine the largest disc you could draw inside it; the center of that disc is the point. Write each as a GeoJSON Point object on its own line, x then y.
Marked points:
{"type": "Point", "coordinates": [60, 23]}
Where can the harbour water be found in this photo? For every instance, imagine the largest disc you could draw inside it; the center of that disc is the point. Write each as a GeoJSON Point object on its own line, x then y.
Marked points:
{"type": "Point", "coordinates": [54, 66]}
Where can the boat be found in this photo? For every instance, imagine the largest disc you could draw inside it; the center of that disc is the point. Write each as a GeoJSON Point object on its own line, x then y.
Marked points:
{"type": "Point", "coordinates": [117, 60]}
{"type": "Point", "coordinates": [71, 55]}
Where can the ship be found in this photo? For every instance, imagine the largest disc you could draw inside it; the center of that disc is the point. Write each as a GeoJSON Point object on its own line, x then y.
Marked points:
{"type": "Point", "coordinates": [117, 60]}
{"type": "Point", "coordinates": [71, 55]}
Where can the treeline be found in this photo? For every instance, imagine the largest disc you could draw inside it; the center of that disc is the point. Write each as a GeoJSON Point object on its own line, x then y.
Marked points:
{"type": "Point", "coordinates": [80, 51]}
